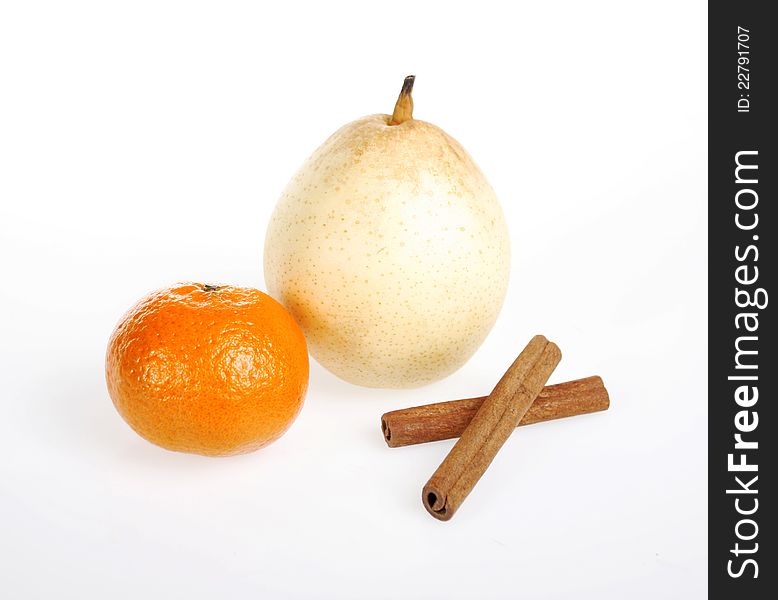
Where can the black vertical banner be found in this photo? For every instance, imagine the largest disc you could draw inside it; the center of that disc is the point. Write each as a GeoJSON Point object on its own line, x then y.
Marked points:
{"type": "Point", "coordinates": [742, 194]}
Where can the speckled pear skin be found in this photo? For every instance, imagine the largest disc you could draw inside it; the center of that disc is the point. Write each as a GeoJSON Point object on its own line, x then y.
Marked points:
{"type": "Point", "coordinates": [391, 250]}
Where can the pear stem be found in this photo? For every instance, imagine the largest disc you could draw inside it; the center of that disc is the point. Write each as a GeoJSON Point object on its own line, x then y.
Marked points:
{"type": "Point", "coordinates": [403, 110]}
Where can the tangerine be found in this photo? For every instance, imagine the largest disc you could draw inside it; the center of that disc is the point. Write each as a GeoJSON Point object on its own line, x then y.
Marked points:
{"type": "Point", "coordinates": [207, 369]}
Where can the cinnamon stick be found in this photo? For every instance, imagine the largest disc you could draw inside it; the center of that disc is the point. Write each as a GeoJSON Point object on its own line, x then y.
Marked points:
{"type": "Point", "coordinates": [492, 424]}
{"type": "Point", "coordinates": [446, 420]}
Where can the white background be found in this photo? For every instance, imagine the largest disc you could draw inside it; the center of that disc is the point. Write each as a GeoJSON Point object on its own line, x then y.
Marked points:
{"type": "Point", "coordinates": [145, 143]}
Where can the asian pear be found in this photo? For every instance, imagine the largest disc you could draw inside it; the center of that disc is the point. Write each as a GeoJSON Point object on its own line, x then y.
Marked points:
{"type": "Point", "coordinates": [390, 249]}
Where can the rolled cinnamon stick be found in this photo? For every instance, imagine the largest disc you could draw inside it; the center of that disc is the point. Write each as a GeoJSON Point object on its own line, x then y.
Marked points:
{"type": "Point", "coordinates": [446, 420]}
{"type": "Point", "coordinates": [492, 424]}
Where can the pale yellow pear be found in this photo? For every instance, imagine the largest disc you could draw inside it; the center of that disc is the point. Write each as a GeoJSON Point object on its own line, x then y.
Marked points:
{"type": "Point", "coordinates": [391, 250]}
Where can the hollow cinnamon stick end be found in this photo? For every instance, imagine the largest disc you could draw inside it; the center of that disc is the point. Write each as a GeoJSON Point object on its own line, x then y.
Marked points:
{"type": "Point", "coordinates": [436, 503]}
{"type": "Point", "coordinates": [386, 429]}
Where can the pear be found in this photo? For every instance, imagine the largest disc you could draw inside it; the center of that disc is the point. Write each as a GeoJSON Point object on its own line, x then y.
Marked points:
{"type": "Point", "coordinates": [391, 250]}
